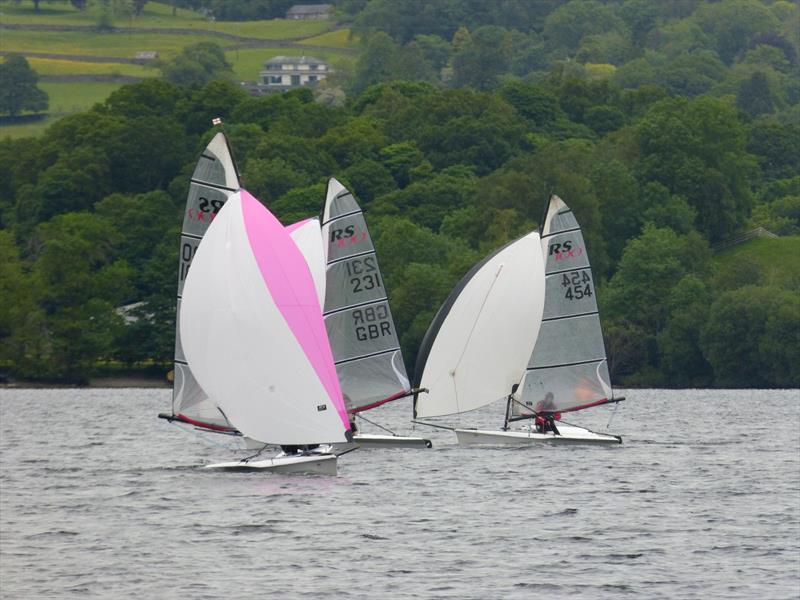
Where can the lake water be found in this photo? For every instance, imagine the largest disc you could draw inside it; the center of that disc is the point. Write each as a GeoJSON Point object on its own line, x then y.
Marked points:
{"type": "Point", "coordinates": [100, 499]}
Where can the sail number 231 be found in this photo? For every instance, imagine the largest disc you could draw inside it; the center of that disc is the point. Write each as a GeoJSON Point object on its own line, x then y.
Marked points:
{"type": "Point", "coordinates": [363, 273]}
{"type": "Point", "coordinates": [577, 285]}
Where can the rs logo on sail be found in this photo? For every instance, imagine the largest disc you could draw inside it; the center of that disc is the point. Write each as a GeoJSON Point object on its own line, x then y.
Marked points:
{"type": "Point", "coordinates": [565, 249]}
{"type": "Point", "coordinates": [206, 209]}
{"type": "Point", "coordinates": [348, 236]}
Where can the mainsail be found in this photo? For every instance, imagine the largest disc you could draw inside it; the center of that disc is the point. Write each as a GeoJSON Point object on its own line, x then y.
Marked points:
{"type": "Point", "coordinates": [253, 332]}
{"type": "Point", "coordinates": [357, 314]}
{"type": "Point", "coordinates": [478, 343]}
{"type": "Point", "coordinates": [567, 370]}
{"type": "Point", "coordinates": [212, 183]}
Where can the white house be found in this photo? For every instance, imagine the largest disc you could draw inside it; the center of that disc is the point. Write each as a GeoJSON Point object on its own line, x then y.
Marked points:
{"type": "Point", "coordinates": [309, 11]}
{"type": "Point", "coordinates": [285, 72]}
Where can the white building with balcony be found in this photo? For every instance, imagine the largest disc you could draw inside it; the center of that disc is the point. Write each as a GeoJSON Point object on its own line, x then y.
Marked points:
{"type": "Point", "coordinates": [286, 72]}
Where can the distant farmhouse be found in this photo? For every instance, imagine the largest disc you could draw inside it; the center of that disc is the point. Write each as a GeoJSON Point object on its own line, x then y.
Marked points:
{"type": "Point", "coordinates": [146, 55]}
{"type": "Point", "coordinates": [283, 73]}
{"type": "Point", "coordinates": [310, 11]}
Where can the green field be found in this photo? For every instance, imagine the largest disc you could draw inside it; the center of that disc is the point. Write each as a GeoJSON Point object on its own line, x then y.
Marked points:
{"type": "Point", "coordinates": [126, 42]}
{"type": "Point", "coordinates": [53, 66]}
{"type": "Point", "coordinates": [340, 38]}
{"type": "Point", "coordinates": [121, 45]}
{"type": "Point", "coordinates": [160, 15]}
{"type": "Point", "coordinates": [65, 99]}
{"type": "Point", "coordinates": [778, 259]}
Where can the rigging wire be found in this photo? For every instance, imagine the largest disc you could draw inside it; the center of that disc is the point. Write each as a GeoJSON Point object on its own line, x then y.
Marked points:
{"type": "Point", "coordinates": [360, 416]}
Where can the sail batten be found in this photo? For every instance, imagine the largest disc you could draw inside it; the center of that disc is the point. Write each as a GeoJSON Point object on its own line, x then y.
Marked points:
{"type": "Point", "coordinates": [358, 319]}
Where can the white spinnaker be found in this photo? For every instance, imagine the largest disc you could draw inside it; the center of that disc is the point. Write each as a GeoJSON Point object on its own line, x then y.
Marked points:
{"type": "Point", "coordinates": [241, 348]}
{"type": "Point", "coordinates": [307, 235]}
{"type": "Point", "coordinates": [213, 181]}
{"type": "Point", "coordinates": [487, 335]}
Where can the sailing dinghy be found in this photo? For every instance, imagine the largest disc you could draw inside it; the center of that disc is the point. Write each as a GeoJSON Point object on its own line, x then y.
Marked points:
{"type": "Point", "coordinates": [214, 180]}
{"type": "Point", "coordinates": [253, 335]}
{"type": "Point", "coordinates": [566, 364]}
{"type": "Point", "coordinates": [568, 368]}
{"type": "Point", "coordinates": [366, 349]}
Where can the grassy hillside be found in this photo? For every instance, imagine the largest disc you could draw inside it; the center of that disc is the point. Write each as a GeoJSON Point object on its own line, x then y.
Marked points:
{"type": "Point", "coordinates": [777, 259]}
{"type": "Point", "coordinates": [156, 15]}
{"type": "Point", "coordinates": [77, 52]}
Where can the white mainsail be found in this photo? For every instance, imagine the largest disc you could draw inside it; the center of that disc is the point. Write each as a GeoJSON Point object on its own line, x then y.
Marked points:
{"type": "Point", "coordinates": [359, 321]}
{"type": "Point", "coordinates": [253, 333]}
{"type": "Point", "coordinates": [478, 344]}
{"type": "Point", "coordinates": [567, 369]}
{"type": "Point", "coordinates": [214, 180]}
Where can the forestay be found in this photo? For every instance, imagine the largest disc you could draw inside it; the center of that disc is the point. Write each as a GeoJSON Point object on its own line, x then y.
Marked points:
{"type": "Point", "coordinates": [567, 369]}
{"type": "Point", "coordinates": [253, 332]}
{"type": "Point", "coordinates": [478, 343]}
{"type": "Point", "coordinates": [212, 183]}
{"type": "Point", "coordinates": [358, 319]}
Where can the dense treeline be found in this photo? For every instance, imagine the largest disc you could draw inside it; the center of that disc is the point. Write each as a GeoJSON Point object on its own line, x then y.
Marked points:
{"type": "Point", "coordinates": [449, 163]}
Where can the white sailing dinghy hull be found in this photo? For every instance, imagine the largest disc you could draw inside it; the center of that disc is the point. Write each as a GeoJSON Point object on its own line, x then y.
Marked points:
{"type": "Point", "coordinates": [369, 440]}
{"type": "Point", "coordinates": [325, 464]}
{"type": "Point", "coordinates": [569, 434]}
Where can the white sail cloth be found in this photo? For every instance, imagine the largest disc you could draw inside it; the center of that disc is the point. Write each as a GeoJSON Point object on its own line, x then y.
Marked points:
{"type": "Point", "coordinates": [253, 333]}
{"type": "Point", "coordinates": [479, 343]}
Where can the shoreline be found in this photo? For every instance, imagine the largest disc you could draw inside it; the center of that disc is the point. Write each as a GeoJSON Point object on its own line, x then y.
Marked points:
{"type": "Point", "coordinates": [94, 382]}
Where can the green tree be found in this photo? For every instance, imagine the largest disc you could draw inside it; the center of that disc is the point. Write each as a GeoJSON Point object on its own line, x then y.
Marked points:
{"type": "Point", "coordinates": [696, 149]}
{"type": "Point", "coordinates": [196, 65]}
{"type": "Point", "coordinates": [483, 58]}
{"type": "Point", "coordinates": [734, 23]}
{"type": "Point", "coordinates": [567, 25]}
{"type": "Point", "coordinates": [18, 90]}
{"type": "Point", "coordinates": [754, 95]}
{"type": "Point", "coordinates": [651, 266]}
{"type": "Point", "coordinates": [81, 283]}
{"type": "Point", "coordinates": [751, 336]}
{"type": "Point", "coordinates": [21, 317]}
{"type": "Point", "coordinates": [680, 357]}
{"type": "Point", "coordinates": [375, 61]}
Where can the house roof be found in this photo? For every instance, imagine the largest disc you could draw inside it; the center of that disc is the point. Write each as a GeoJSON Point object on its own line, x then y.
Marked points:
{"type": "Point", "coordinates": [309, 9]}
{"type": "Point", "coordinates": [295, 60]}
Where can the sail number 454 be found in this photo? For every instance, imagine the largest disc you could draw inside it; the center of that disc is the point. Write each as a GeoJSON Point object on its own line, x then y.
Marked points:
{"type": "Point", "coordinates": [577, 285]}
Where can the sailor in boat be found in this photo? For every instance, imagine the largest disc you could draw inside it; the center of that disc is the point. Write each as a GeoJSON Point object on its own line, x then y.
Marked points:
{"type": "Point", "coordinates": [546, 415]}
{"type": "Point", "coordinates": [290, 450]}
